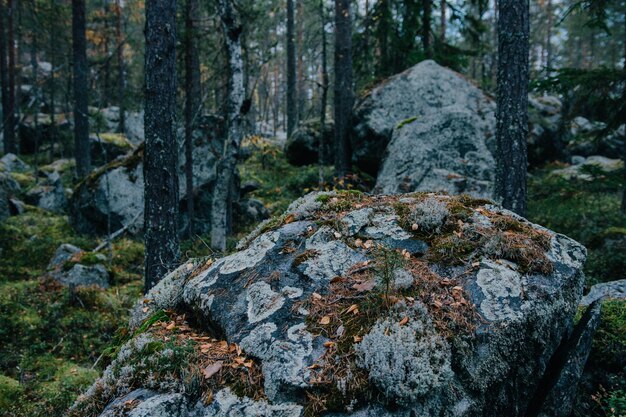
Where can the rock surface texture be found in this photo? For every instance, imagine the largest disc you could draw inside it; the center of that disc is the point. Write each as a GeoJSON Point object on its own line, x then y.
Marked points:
{"type": "Point", "coordinates": [440, 131]}
{"type": "Point", "coordinates": [354, 305]}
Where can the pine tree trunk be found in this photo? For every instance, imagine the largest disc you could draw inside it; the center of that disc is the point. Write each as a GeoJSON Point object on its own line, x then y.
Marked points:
{"type": "Point", "coordinates": [81, 121]}
{"type": "Point", "coordinates": [426, 16]}
{"type": "Point", "coordinates": [512, 104]}
{"type": "Point", "coordinates": [161, 149]}
{"type": "Point", "coordinates": [121, 67]}
{"type": "Point", "coordinates": [9, 140]}
{"type": "Point", "coordinates": [324, 102]}
{"type": "Point", "coordinates": [550, 23]}
{"type": "Point", "coordinates": [344, 97]}
{"type": "Point", "coordinates": [236, 95]}
{"type": "Point", "coordinates": [10, 110]}
{"type": "Point", "coordinates": [301, 70]}
{"type": "Point", "coordinates": [192, 102]}
{"type": "Point", "coordinates": [292, 99]}
{"type": "Point", "coordinates": [442, 28]}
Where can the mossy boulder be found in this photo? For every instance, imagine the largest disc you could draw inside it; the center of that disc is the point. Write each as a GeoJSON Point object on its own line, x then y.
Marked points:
{"type": "Point", "coordinates": [419, 304]}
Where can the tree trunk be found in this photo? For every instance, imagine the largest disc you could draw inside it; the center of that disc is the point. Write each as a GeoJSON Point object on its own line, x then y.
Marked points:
{"type": "Point", "coordinates": [161, 149]}
{"type": "Point", "coordinates": [192, 102]}
{"type": "Point", "coordinates": [442, 28]}
{"type": "Point", "coordinates": [292, 99]}
{"type": "Point", "coordinates": [235, 106]}
{"type": "Point", "coordinates": [512, 104]}
{"type": "Point", "coordinates": [9, 140]}
{"type": "Point", "coordinates": [343, 86]}
{"type": "Point", "coordinates": [81, 121]}
{"type": "Point", "coordinates": [121, 68]}
{"type": "Point", "coordinates": [426, 15]}
{"type": "Point", "coordinates": [301, 70]}
{"type": "Point", "coordinates": [10, 109]}
{"type": "Point", "coordinates": [550, 23]}
{"type": "Point", "coordinates": [322, 148]}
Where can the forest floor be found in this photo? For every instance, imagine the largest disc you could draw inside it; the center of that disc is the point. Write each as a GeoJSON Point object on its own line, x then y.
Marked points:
{"type": "Point", "coordinates": [53, 344]}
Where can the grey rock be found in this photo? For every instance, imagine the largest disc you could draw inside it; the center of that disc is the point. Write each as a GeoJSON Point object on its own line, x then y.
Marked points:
{"type": "Point", "coordinates": [250, 211]}
{"type": "Point", "coordinates": [421, 92]}
{"type": "Point", "coordinates": [569, 363]}
{"type": "Point", "coordinates": [8, 189]}
{"type": "Point", "coordinates": [577, 171]}
{"type": "Point", "coordinates": [11, 163]}
{"type": "Point", "coordinates": [77, 274]}
{"type": "Point", "coordinates": [444, 151]}
{"type": "Point", "coordinates": [302, 148]}
{"type": "Point", "coordinates": [614, 290]}
{"type": "Point", "coordinates": [50, 195]}
{"type": "Point", "coordinates": [253, 298]}
{"type": "Point", "coordinates": [544, 140]}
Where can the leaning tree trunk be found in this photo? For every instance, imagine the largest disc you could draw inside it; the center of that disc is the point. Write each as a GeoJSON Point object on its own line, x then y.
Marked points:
{"type": "Point", "coordinates": [343, 86]}
{"type": "Point", "coordinates": [235, 111]}
{"type": "Point", "coordinates": [161, 149]}
{"type": "Point", "coordinates": [192, 102]}
{"type": "Point", "coordinates": [81, 121]}
{"type": "Point", "coordinates": [9, 139]}
{"type": "Point", "coordinates": [512, 104]}
{"type": "Point", "coordinates": [292, 99]}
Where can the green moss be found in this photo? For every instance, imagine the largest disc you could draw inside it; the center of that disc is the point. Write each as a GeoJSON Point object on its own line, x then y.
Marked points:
{"type": "Point", "coordinates": [406, 122]}
{"type": "Point", "coordinates": [28, 241]}
{"type": "Point", "coordinates": [25, 180]}
{"type": "Point", "coordinates": [587, 211]}
{"type": "Point", "coordinates": [10, 392]}
{"type": "Point", "coordinates": [117, 139]}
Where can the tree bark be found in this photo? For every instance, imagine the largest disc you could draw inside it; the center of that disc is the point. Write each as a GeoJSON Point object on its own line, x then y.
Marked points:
{"type": "Point", "coordinates": [9, 140]}
{"type": "Point", "coordinates": [426, 17]}
{"type": "Point", "coordinates": [344, 96]}
{"type": "Point", "coordinates": [161, 149]}
{"type": "Point", "coordinates": [9, 110]}
{"type": "Point", "coordinates": [301, 91]}
{"type": "Point", "coordinates": [121, 67]}
{"type": "Point", "coordinates": [81, 121]}
{"type": "Point", "coordinates": [324, 102]}
{"type": "Point", "coordinates": [550, 23]}
{"type": "Point", "coordinates": [292, 99]}
{"type": "Point", "coordinates": [442, 28]}
{"type": "Point", "coordinates": [512, 104]}
{"type": "Point", "coordinates": [192, 102]}
{"type": "Point", "coordinates": [232, 29]}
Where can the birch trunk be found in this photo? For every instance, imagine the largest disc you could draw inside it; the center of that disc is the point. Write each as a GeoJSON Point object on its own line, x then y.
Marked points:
{"type": "Point", "coordinates": [236, 96]}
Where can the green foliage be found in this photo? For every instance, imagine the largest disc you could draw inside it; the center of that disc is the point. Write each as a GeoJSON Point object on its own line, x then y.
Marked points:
{"type": "Point", "coordinates": [587, 211]}
{"type": "Point", "coordinates": [281, 183]}
{"type": "Point", "coordinates": [28, 241]}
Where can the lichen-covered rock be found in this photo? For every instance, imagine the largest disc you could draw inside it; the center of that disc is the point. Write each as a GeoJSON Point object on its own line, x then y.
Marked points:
{"type": "Point", "coordinates": [116, 190]}
{"type": "Point", "coordinates": [358, 305]}
{"type": "Point", "coordinates": [417, 108]}
{"type": "Point", "coordinates": [71, 266]}
{"type": "Point", "coordinates": [8, 188]}
{"type": "Point", "coordinates": [11, 163]}
{"type": "Point", "coordinates": [613, 290]}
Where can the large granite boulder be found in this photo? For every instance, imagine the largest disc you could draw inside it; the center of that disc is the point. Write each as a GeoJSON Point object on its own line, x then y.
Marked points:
{"type": "Point", "coordinates": [71, 266]}
{"type": "Point", "coordinates": [420, 94]}
{"type": "Point", "coordinates": [303, 147]}
{"type": "Point", "coordinates": [354, 305]}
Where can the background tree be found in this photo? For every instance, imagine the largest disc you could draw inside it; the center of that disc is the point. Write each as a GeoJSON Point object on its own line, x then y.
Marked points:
{"type": "Point", "coordinates": [344, 96]}
{"type": "Point", "coordinates": [292, 98]}
{"type": "Point", "coordinates": [235, 111]}
{"type": "Point", "coordinates": [7, 128]}
{"type": "Point", "coordinates": [82, 146]}
{"type": "Point", "coordinates": [161, 150]}
{"type": "Point", "coordinates": [512, 104]}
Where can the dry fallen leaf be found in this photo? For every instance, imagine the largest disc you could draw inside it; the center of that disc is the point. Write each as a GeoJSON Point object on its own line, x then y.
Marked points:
{"type": "Point", "coordinates": [337, 235]}
{"type": "Point", "coordinates": [314, 366]}
{"type": "Point", "coordinates": [365, 286]}
{"type": "Point", "coordinates": [325, 320]}
{"type": "Point", "coordinates": [316, 296]}
{"type": "Point", "coordinates": [415, 226]}
{"type": "Point", "coordinates": [476, 264]}
{"type": "Point", "coordinates": [404, 321]}
{"type": "Point", "coordinates": [353, 309]}
{"type": "Point", "coordinates": [329, 344]}
{"type": "Point", "coordinates": [357, 339]}
{"type": "Point", "coordinates": [368, 244]}
{"type": "Point", "coordinates": [171, 326]}
{"type": "Point", "coordinates": [145, 309]}
{"type": "Point", "coordinates": [212, 369]}
{"type": "Point", "coordinates": [358, 243]}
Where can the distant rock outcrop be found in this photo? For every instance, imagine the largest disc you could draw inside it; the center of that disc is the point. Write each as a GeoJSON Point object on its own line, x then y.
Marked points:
{"type": "Point", "coordinates": [426, 129]}
{"type": "Point", "coordinates": [356, 305]}
{"type": "Point", "coordinates": [72, 266]}
{"type": "Point", "coordinates": [303, 147]}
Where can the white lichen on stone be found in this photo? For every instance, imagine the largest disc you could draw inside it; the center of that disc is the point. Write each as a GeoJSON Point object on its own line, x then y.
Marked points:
{"type": "Point", "coordinates": [291, 292]}
{"type": "Point", "coordinates": [430, 214]}
{"type": "Point", "coordinates": [251, 256]}
{"type": "Point", "coordinates": [406, 362]}
{"type": "Point", "coordinates": [335, 259]}
{"type": "Point", "coordinates": [356, 220]}
{"type": "Point", "coordinates": [227, 404]}
{"type": "Point", "coordinates": [262, 301]}
{"type": "Point", "coordinates": [567, 251]}
{"type": "Point", "coordinates": [500, 284]}
{"type": "Point", "coordinates": [385, 225]}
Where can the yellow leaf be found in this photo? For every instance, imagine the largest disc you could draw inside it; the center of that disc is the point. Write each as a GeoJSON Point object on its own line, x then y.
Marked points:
{"type": "Point", "coordinates": [325, 320]}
